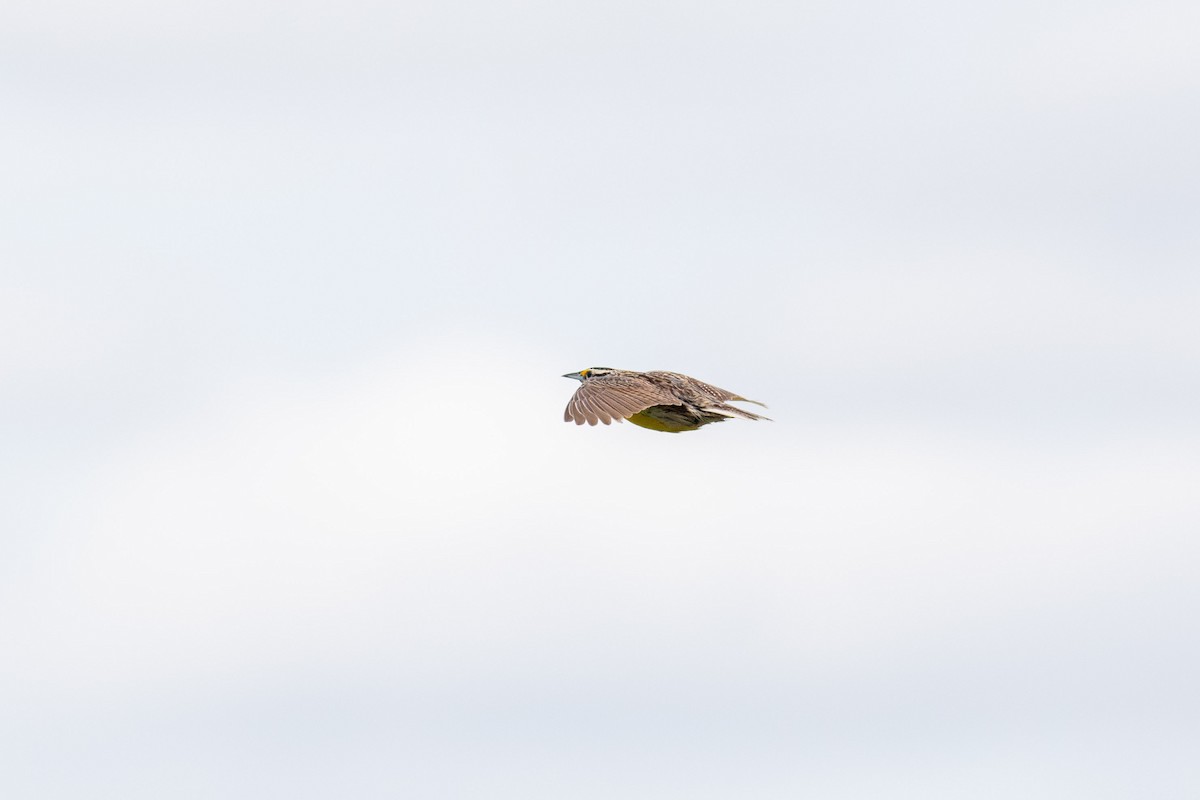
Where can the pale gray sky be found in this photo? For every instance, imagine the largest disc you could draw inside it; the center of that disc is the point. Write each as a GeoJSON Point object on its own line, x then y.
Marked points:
{"type": "Point", "coordinates": [290, 510]}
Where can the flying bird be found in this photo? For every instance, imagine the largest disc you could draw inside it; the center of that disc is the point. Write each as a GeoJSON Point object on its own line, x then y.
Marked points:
{"type": "Point", "coordinates": [660, 401]}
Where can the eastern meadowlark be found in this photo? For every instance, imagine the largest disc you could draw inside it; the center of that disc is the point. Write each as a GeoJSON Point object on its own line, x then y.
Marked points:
{"type": "Point", "coordinates": [660, 401]}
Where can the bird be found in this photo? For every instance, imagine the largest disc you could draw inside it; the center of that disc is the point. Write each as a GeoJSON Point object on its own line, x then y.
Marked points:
{"type": "Point", "coordinates": [661, 401]}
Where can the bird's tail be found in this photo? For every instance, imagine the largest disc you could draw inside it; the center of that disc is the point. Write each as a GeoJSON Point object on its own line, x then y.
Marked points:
{"type": "Point", "coordinates": [732, 411]}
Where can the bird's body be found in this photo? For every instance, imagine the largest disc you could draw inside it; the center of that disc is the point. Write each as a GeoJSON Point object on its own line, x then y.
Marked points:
{"type": "Point", "coordinates": [660, 401]}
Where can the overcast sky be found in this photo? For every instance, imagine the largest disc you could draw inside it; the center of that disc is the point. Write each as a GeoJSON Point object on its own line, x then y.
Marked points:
{"type": "Point", "coordinates": [289, 507]}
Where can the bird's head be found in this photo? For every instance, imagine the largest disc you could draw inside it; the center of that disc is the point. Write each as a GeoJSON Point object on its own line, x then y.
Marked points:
{"type": "Point", "coordinates": [591, 372]}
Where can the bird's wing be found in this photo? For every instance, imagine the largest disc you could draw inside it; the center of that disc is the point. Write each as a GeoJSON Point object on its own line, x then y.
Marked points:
{"type": "Point", "coordinates": [705, 389]}
{"type": "Point", "coordinates": [614, 397]}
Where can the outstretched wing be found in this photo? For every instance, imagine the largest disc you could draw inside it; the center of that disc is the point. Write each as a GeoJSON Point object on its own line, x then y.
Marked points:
{"type": "Point", "coordinates": [614, 397]}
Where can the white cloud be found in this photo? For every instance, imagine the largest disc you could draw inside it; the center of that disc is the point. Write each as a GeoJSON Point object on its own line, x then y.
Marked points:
{"type": "Point", "coordinates": [1115, 52]}
{"type": "Point", "coordinates": [431, 508]}
{"type": "Point", "coordinates": [43, 333]}
{"type": "Point", "coordinates": [419, 555]}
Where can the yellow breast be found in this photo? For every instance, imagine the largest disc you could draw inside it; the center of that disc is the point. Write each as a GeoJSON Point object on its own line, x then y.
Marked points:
{"type": "Point", "coordinates": [653, 424]}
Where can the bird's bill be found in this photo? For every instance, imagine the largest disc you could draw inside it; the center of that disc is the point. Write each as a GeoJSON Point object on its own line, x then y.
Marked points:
{"type": "Point", "coordinates": [576, 375]}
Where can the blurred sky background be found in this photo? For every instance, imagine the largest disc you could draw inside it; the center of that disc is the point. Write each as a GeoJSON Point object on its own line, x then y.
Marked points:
{"type": "Point", "coordinates": [289, 508]}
